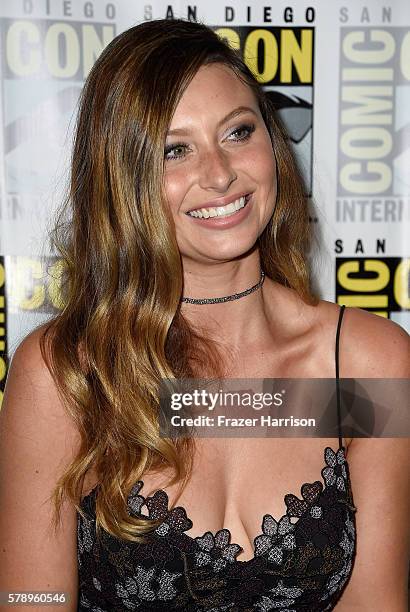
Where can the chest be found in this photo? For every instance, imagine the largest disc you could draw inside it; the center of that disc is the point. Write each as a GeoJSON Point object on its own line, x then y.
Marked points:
{"type": "Point", "coordinates": [235, 482]}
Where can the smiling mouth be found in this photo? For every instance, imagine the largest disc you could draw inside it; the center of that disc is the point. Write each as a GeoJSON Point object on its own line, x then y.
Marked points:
{"type": "Point", "coordinates": [220, 211]}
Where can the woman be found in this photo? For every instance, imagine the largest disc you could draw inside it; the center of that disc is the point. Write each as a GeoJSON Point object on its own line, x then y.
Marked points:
{"type": "Point", "coordinates": [171, 122]}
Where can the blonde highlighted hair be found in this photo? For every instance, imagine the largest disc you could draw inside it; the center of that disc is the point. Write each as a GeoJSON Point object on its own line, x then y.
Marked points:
{"type": "Point", "coordinates": [121, 330]}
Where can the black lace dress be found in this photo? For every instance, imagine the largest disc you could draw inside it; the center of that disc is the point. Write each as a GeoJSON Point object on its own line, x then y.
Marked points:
{"type": "Point", "coordinates": [301, 561]}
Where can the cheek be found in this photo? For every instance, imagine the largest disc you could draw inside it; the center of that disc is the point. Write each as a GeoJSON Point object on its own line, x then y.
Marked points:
{"type": "Point", "coordinates": [262, 165]}
{"type": "Point", "coordinates": [175, 187]}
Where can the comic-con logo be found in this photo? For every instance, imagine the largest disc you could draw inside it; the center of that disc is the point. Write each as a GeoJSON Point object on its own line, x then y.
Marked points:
{"type": "Point", "coordinates": [34, 284]}
{"type": "Point", "coordinates": [374, 119]}
{"type": "Point", "coordinates": [380, 285]}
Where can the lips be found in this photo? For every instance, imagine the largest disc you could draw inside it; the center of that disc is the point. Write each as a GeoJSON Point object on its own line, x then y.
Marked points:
{"type": "Point", "coordinates": [221, 201]}
{"type": "Point", "coordinates": [224, 222]}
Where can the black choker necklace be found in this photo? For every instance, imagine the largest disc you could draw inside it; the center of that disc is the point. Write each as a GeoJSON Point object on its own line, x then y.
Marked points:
{"type": "Point", "coordinates": [227, 298]}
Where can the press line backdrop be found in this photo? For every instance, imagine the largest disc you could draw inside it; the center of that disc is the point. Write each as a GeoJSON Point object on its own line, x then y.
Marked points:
{"type": "Point", "coordinates": [339, 74]}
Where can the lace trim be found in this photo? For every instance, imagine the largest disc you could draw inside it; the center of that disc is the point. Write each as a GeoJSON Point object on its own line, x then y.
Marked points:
{"type": "Point", "coordinates": [277, 534]}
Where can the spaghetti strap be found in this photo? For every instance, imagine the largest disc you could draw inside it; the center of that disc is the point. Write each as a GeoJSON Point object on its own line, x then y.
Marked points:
{"type": "Point", "coordinates": [338, 397]}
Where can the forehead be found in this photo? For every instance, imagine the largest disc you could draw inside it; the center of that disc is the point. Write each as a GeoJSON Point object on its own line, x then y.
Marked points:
{"type": "Point", "coordinates": [214, 91]}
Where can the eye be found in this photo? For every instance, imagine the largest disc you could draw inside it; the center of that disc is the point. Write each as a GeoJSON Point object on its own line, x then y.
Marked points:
{"type": "Point", "coordinates": [243, 132]}
{"type": "Point", "coordinates": [175, 151]}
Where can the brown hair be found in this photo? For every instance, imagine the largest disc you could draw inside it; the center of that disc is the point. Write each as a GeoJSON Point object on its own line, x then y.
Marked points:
{"type": "Point", "coordinates": [121, 330]}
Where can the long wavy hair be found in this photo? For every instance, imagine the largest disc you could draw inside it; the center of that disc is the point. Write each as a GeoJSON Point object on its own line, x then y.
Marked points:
{"type": "Point", "coordinates": [121, 331]}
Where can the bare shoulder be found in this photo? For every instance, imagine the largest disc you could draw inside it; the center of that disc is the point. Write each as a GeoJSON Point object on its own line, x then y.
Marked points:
{"type": "Point", "coordinates": [32, 404]}
{"type": "Point", "coordinates": [28, 352]}
{"type": "Point", "coordinates": [370, 345]}
{"type": "Point", "coordinates": [27, 359]}
{"type": "Point", "coordinates": [374, 347]}
{"type": "Point", "coordinates": [38, 440]}
{"type": "Point", "coordinates": [29, 377]}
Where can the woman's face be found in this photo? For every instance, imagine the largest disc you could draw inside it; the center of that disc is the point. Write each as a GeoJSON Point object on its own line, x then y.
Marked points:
{"type": "Point", "coordinates": [218, 153]}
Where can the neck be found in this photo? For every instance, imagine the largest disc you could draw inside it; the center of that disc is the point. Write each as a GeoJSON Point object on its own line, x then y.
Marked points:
{"type": "Point", "coordinates": [226, 298]}
{"type": "Point", "coordinates": [234, 323]}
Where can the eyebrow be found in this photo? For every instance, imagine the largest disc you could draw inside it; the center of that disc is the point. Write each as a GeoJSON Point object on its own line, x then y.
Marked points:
{"type": "Point", "coordinates": [234, 113]}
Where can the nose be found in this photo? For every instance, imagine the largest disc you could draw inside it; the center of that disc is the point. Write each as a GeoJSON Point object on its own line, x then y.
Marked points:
{"type": "Point", "coordinates": [216, 171]}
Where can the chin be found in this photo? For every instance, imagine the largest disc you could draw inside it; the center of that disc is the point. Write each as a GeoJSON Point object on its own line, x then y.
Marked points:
{"type": "Point", "coordinates": [226, 252]}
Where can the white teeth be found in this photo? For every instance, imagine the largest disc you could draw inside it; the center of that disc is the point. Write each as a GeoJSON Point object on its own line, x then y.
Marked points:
{"type": "Point", "coordinates": [219, 211]}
